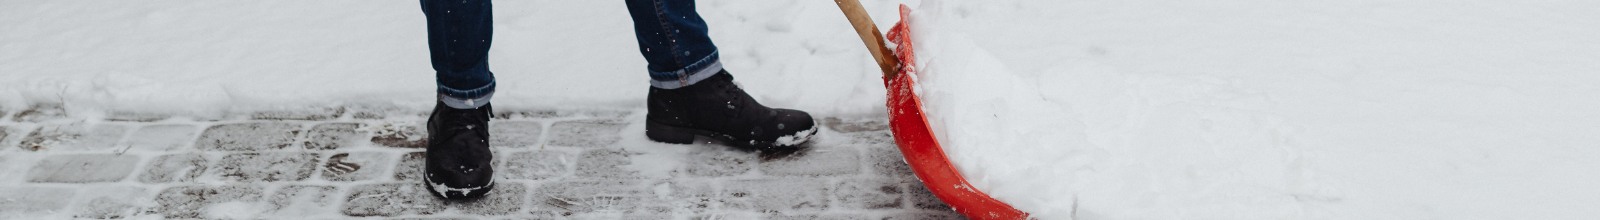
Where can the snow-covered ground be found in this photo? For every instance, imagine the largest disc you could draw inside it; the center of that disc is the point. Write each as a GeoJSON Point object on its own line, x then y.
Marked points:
{"type": "Point", "coordinates": [1147, 109]}
{"type": "Point", "coordinates": [355, 163]}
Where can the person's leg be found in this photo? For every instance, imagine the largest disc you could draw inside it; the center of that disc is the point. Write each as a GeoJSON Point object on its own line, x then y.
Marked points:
{"type": "Point", "coordinates": [458, 163]}
{"type": "Point", "coordinates": [672, 37]}
{"type": "Point", "coordinates": [691, 94]}
{"type": "Point", "coordinates": [459, 33]}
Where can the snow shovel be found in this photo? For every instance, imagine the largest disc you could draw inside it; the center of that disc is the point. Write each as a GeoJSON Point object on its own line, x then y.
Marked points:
{"type": "Point", "coordinates": [910, 127]}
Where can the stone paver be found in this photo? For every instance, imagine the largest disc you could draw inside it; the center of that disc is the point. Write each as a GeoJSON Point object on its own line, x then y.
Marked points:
{"type": "Point", "coordinates": [391, 199]}
{"type": "Point", "coordinates": [268, 166]}
{"type": "Point", "coordinates": [589, 133]}
{"type": "Point", "coordinates": [113, 202]}
{"type": "Point", "coordinates": [719, 162]}
{"type": "Point", "coordinates": [886, 161]}
{"type": "Point", "coordinates": [331, 163]}
{"type": "Point", "coordinates": [400, 135]}
{"type": "Point", "coordinates": [174, 168]}
{"type": "Point", "coordinates": [249, 136]}
{"type": "Point", "coordinates": [410, 167]}
{"type": "Point", "coordinates": [534, 114]}
{"type": "Point", "coordinates": [786, 195]}
{"type": "Point", "coordinates": [921, 216]}
{"type": "Point", "coordinates": [41, 112]}
{"type": "Point", "coordinates": [34, 200]}
{"type": "Point", "coordinates": [692, 196]}
{"type": "Point", "coordinates": [535, 165]}
{"type": "Point", "coordinates": [815, 162]}
{"type": "Point", "coordinates": [816, 217]}
{"type": "Point", "coordinates": [921, 198]}
{"type": "Point", "coordinates": [73, 137]}
{"type": "Point", "coordinates": [379, 111]}
{"type": "Point", "coordinates": [161, 137]}
{"type": "Point", "coordinates": [607, 163]}
{"type": "Point", "coordinates": [297, 200]}
{"type": "Point", "coordinates": [567, 197]}
{"type": "Point", "coordinates": [871, 193]}
{"type": "Point", "coordinates": [330, 136]}
{"type": "Point", "coordinates": [855, 125]}
{"type": "Point", "coordinates": [82, 168]}
{"type": "Point", "coordinates": [356, 166]}
{"type": "Point", "coordinates": [196, 201]}
{"type": "Point", "coordinates": [509, 134]}
{"type": "Point", "coordinates": [299, 114]}
{"type": "Point", "coordinates": [507, 199]}
{"type": "Point", "coordinates": [136, 116]}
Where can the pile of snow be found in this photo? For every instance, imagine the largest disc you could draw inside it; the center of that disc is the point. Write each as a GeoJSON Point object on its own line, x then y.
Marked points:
{"type": "Point", "coordinates": [1268, 109]}
{"type": "Point", "coordinates": [998, 127]}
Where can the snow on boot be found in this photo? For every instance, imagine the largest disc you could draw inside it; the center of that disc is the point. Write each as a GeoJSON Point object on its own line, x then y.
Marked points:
{"type": "Point", "coordinates": [458, 159]}
{"type": "Point", "coordinates": [719, 109]}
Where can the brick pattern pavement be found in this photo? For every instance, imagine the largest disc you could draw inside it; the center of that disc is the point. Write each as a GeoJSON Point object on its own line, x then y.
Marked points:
{"type": "Point", "coordinates": [365, 162]}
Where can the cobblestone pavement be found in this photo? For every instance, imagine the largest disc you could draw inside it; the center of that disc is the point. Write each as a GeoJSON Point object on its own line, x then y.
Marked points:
{"type": "Point", "coordinates": [365, 162]}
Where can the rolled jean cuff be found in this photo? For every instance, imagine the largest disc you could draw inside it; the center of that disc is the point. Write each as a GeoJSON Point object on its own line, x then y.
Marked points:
{"type": "Point", "coordinates": [689, 75]}
{"type": "Point", "coordinates": [466, 99]}
{"type": "Point", "coordinates": [461, 103]}
{"type": "Point", "coordinates": [467, 93]}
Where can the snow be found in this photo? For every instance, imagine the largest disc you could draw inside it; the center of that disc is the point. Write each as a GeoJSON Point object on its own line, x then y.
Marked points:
{"type": "Point", "coordinates": [1268, 109]}
{"type": "Point", "coordinates": [1147, 109]}
{"type": "Point", "coordinates": [795, 139]}
{"type": "Point", "coordinates": [234, 210]}
{"type": "Point", "coordinates": [210, 59]}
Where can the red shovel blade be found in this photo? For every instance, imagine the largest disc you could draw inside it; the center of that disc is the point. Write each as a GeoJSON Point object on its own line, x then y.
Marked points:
{"type": "Point", "coordinates": [921, 149]}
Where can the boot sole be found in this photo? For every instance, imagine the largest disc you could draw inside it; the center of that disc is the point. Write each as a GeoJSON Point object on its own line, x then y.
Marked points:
{"type": "Point", "coordinates": [456, 193]}
{"type": "Point", "coordinates": [682, 135]}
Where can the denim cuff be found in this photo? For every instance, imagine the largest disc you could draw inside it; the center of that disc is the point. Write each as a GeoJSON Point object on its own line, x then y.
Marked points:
{"type": "Point", "coordinates": [461, 103]}
{"type": "Point", "coordinates": [689, 75]}
{"type": "Point", "coordinates": [472, 93]}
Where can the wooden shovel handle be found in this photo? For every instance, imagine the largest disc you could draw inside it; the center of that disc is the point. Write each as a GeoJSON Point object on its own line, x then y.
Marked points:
{"type": "Point", "coordinates": [871, 36]}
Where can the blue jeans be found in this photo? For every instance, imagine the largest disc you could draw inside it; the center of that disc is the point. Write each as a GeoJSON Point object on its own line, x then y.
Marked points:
{"type": "Point", "coordinates": [672, 37]}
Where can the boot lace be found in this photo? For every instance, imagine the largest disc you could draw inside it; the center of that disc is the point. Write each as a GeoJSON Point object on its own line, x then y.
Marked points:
{"type": "Point", "coordinates": [735, 100]}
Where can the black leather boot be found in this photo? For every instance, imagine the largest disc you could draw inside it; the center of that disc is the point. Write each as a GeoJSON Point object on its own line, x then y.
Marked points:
{"type": "Point", "coordinates": [458, 163]}
{"type": "Point", "coordinates": [717, 108]}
